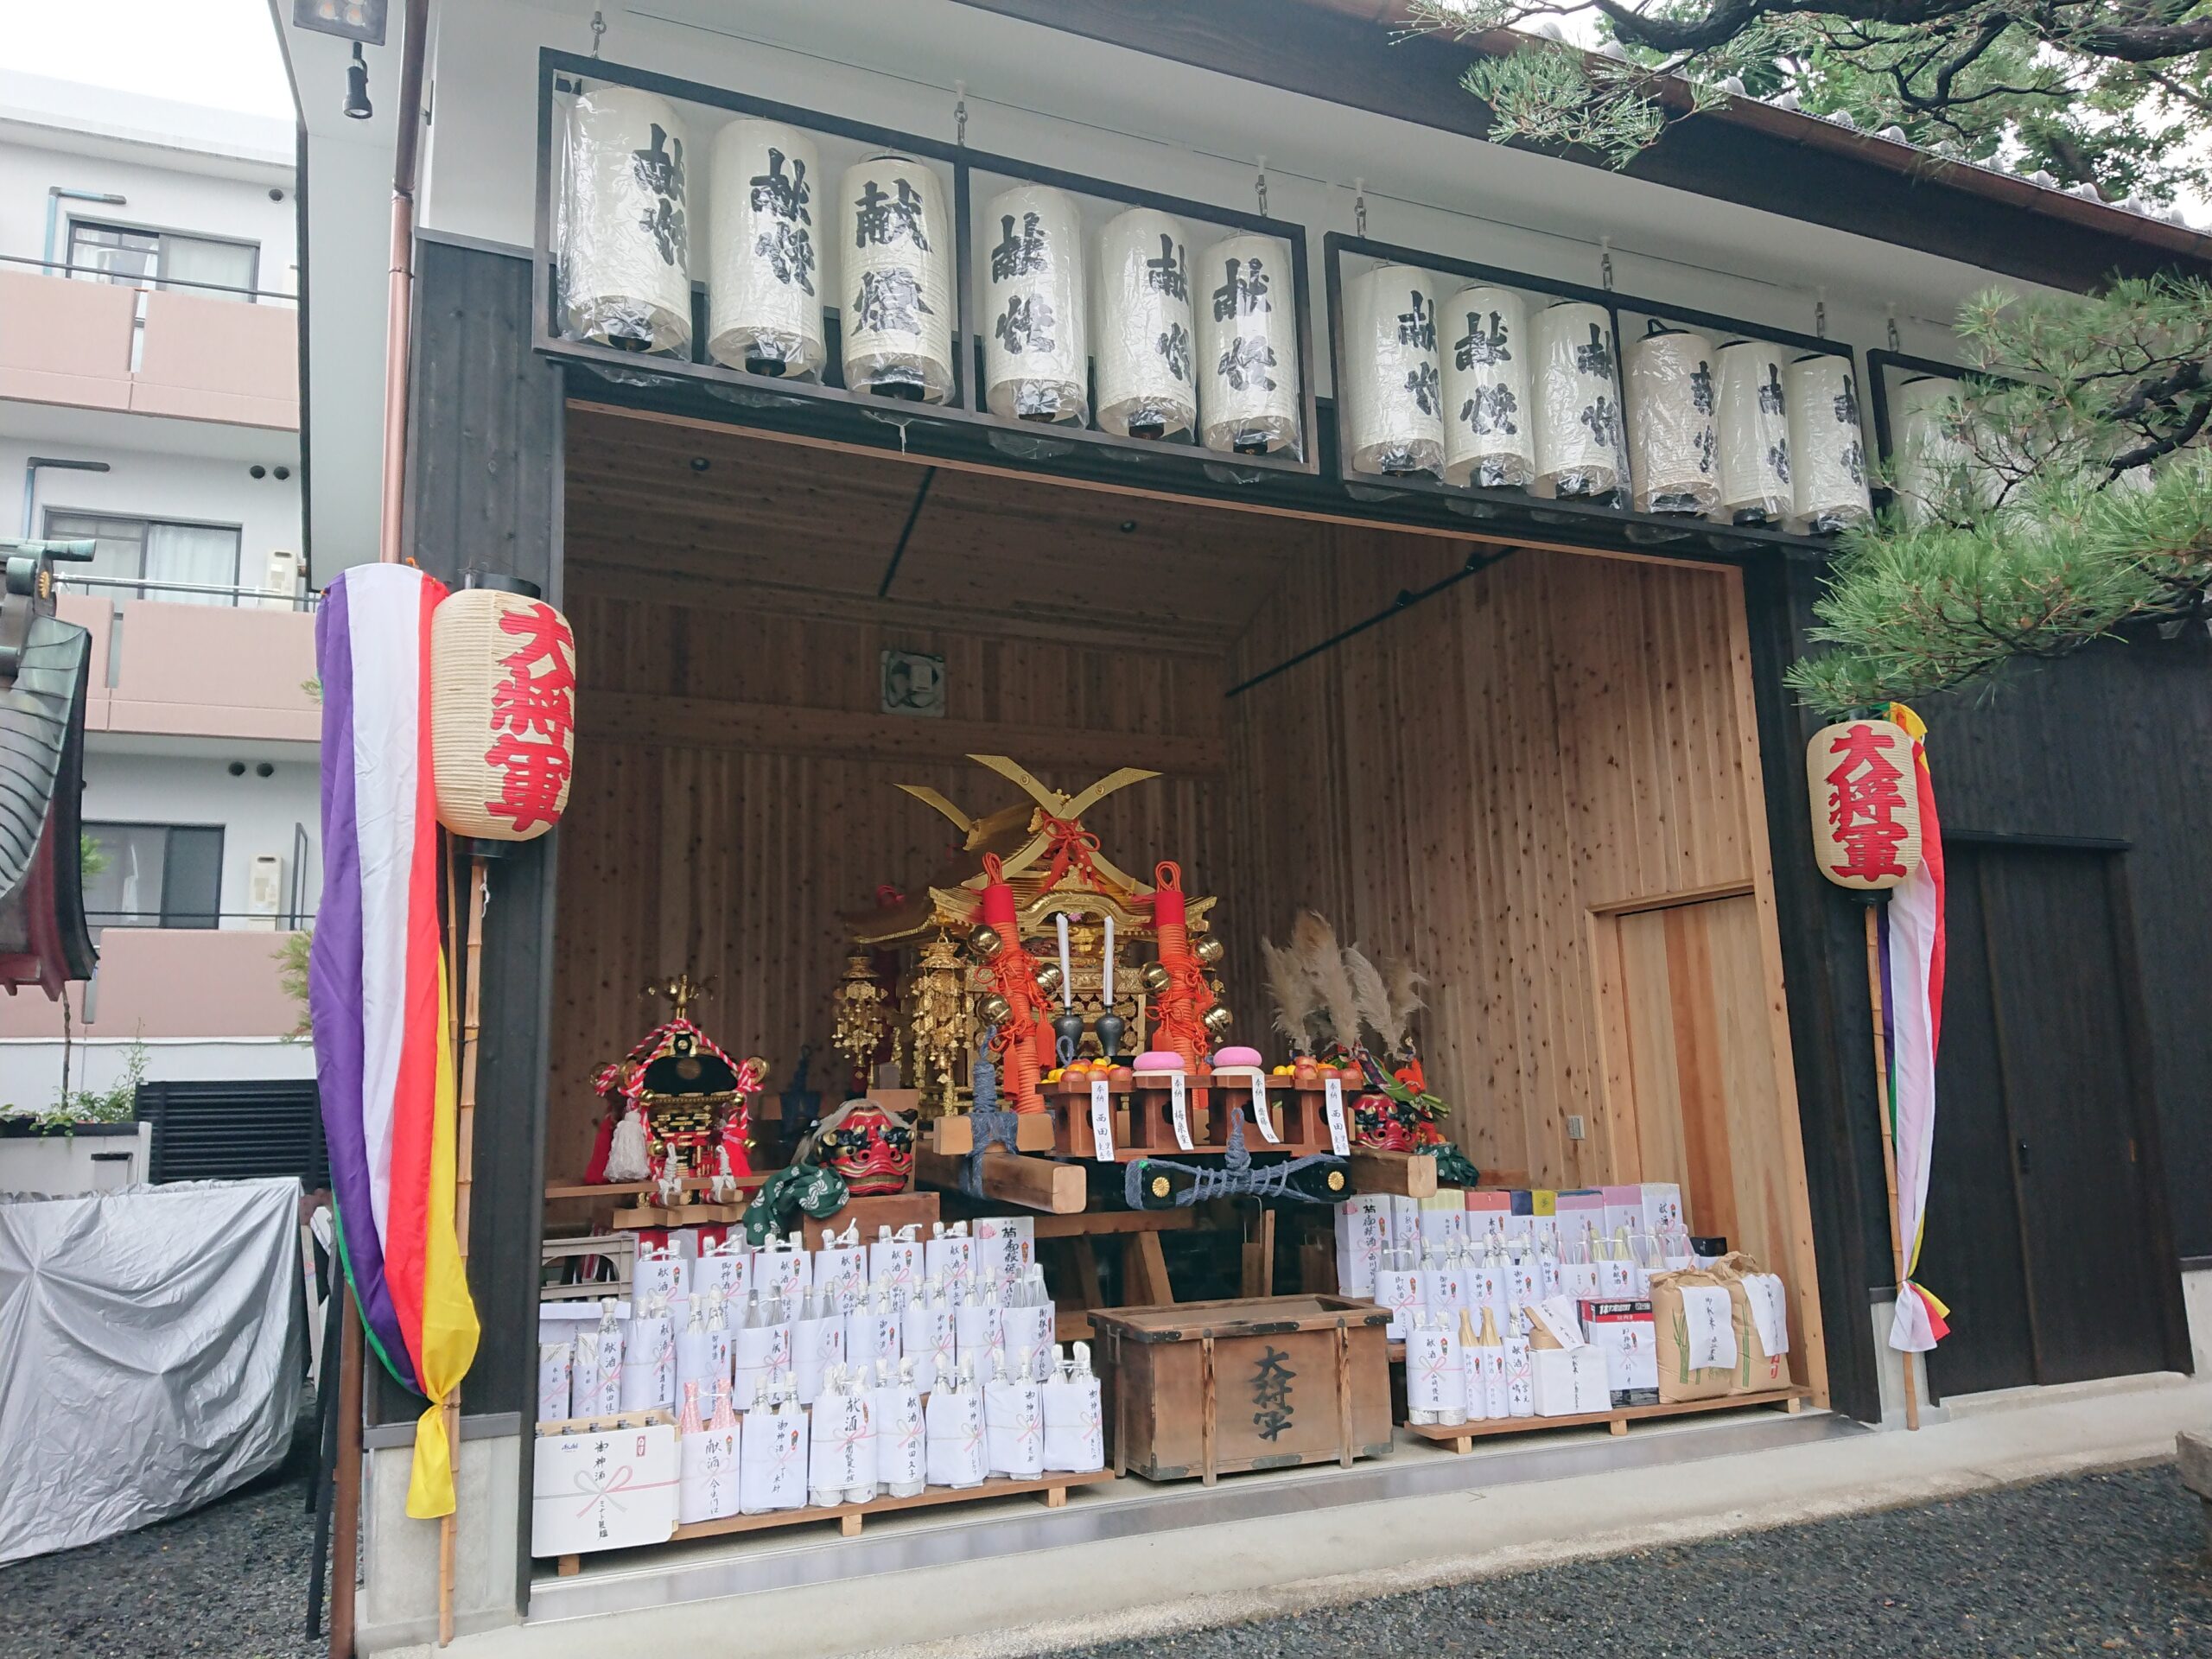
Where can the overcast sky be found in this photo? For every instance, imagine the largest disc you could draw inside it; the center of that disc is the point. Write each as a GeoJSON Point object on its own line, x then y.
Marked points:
{"type": "Point", "coordinates": [222, 52]}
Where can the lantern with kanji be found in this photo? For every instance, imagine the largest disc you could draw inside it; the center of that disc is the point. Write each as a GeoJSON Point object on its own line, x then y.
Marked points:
{"type": "Point", "coordinates": [503, 694]}
{"type": "Point", "coordinates": [1866, 804]}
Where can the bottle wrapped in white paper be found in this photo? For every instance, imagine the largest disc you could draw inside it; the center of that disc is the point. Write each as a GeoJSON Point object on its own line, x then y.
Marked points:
{"type": "Point", "coordinates": [1827, 447]}
{"type": "Point", "coordinates": [894, 269]}
{"type": "Point", "coordinates": [954, 1423]}
{"type": "Point", "coordinates": [1143, 341]}
{"type": "Point", "coordinates": [709, 1480]}
{"type": "Point", "coordinates": [841, 1269]}
{"type": "Point", "coordinates": [841, 1449]}
{"type": "Point", "coordinates": [927, 1337]}
{"type": "Point", "coordinates": [772, 1456]}
{"type": "Point", "coordinates": [1754, 434]}
{"type": "Point", "coordinates": [818, 1343]}
{"type": "Point", "coordinates": [1248, 346]}
{"type": "Point", "coordinates": [1036, 362]}
{"type": "Point", "coordinates": [1489, 421]}
{"type": "Point", "coordinates": [1436, 1383]}
{"type": "Point", "coordinates": [1075, 1439]}
{"type": "Point", "coordinates": [765, 275]}
{"type": "Point", "coordinates": [1392, 391]}
{"type": "Point", "coordinates": [1013, 1422]}
{"type": "Point", "coordinates": [895, 1260]}
{"type": "Point", "coordinates": [648, 1364]}
{"type": "Point", "coordinates": [1578, 402]}
{"type": "Point", "coordinates": [1928, 448]}
{"type": "Point", "coordinates": [1673, 442]}
{"type": "Point", "coordinates": [626, 250]}
{"type": "Point", "coordinates": [900, 1454]}
{"type": "Point", "coordinates": [555, 1361]}
{"type": "Point", "coordinates": [947, 1251]}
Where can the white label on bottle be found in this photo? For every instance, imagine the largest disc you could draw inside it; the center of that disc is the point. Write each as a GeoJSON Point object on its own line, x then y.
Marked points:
{"type": "Point", "coordinates": [1101, 1118]}
{"type": "Point", "coordinates": [1179, 1109]}
{"type": "Point", "coordinates": [1333, 1095]}
{"type": "Point", "coordinates": [1261, 1115]}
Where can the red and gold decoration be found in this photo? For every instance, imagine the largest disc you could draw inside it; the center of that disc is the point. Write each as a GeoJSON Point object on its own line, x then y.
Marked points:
{"type": "Point", "coordinates": [1016, 1005]}
{"type": "Point", "coordinates": [870, 1146]}
{"type": "Point", "coordinates": [682, 1105]}
{"type": "Point", "coordinates": [939, 1028]}
{"type": "Point", "coordinates": [1185, 1019]}
{"type": "Point", "coordinates": [863, 1021]}
{"type": "Point", "coordinates": [503, 710]}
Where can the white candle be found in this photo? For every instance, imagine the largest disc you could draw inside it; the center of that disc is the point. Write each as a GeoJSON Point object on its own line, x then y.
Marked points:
{"type": "Point", "coordinates": [1107, 984]}
{"type": "Point", "coordinates": [1067, 978]}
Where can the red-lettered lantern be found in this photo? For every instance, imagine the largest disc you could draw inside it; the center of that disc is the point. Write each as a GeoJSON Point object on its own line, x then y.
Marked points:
{"type": "Point", "coordinates": [1866, 804]}
{"type": "Point", "coordinates": [503, 709]}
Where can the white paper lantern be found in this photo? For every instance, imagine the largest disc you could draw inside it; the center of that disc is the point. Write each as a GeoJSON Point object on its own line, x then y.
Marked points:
{"type": "Point", "coordinates": [1673, 443]}
{"type": "Point", "coordinates": [626, 253]}
{"type": "Point", "coordinates": [503, 710]}
{"type": "Point", "coordinates": [1393, 393]}
{"type": "Point", "coordinates": [894, 255]}
{"type": "Point", "coordinates": [1827, 447]}
{"type": "Point", "coordinates": [1928, 446]}
{"type": "Point", "coordinates": [1489, 417]}
{"type": "Point", "coordinates": [1248, 346]}
{"type": "Point", "coordinates": [1578, 401]}
{"type": "Point", "coordinates": [1754, 434]}
{"type": "Point", "coordinates": [1143, 339]}
{"type": "Point", "coordinates": [764, 296]}
{"type": "Point", "coordinates": [1035, 364]}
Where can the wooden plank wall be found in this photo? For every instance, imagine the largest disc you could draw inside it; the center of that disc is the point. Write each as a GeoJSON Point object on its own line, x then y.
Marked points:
{"type": "Point", "coordinates": [685, 852]}
{"type": "Point", "coordinates": [1464, 784]}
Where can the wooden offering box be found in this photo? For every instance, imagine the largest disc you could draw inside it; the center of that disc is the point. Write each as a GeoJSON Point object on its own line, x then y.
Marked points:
{"type": "Point", "coordinates": [1260, 1382]}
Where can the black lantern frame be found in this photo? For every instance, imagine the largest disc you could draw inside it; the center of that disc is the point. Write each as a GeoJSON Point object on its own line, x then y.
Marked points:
{"type": "Point", "coordinates": [1661, 532]}
{"type": "Point", "coordinates": [1881, 366]}
{"type": "Point", "coordinates": [560, 71]}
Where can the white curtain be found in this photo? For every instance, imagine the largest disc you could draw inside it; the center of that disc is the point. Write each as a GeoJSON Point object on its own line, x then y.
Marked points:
{"type": "Point", "coordinates": [202, 554]}
{"type": "Point", "coordinates": [188, 259]}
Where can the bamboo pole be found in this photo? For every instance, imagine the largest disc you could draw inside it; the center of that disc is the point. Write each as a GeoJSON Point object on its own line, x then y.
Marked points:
{"type": "Point", "coordinates": [468, 931]}
{"type": "Point", "coordinates": [1889, 1144]}
{"type": "Point", "coordinates": [346, 1479]}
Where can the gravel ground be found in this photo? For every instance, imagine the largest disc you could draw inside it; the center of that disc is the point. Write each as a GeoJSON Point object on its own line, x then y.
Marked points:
{"type": "Point", "coordinates": [229, 1581]}
{"type": "Point", "coordinates": [2111, 1563]}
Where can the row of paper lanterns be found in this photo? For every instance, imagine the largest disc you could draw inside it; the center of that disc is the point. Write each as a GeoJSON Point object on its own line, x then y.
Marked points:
{"type": "Point", "coordinates": [1490, 389]}
{"type": "Point", "coordinates": [1206, 344]}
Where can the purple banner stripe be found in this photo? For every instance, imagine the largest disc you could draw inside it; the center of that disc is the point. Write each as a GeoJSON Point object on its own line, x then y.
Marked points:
{"type": "Point", "coordinates": [334, 989]}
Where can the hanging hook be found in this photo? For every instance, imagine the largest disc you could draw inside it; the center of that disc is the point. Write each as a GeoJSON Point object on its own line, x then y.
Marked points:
{"type": "Point", "coordinates": [1259, 186]}
{"type": "Point", "coordinates": [1896, 342]}
{"type": "Point", "coordinates": [598, 29]}
{"type": "Point", "coordinates": [1821, 312]}
{"type": "Point", "coordinates": [1605, 262]}
{"type": "Point", "coordinates": [1359, 205]}
{"type": "Point", "coordinates": [960, 113]}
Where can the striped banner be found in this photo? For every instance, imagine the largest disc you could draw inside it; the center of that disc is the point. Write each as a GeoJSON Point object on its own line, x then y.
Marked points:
{"type": "Point", "coordinates": [1912, 975]}
{"type": "Point", "coordinates": [377, 994]}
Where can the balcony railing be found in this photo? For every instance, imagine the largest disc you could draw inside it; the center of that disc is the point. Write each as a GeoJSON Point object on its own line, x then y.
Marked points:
{"type": "Point", "coordinates": [163, 351]}
{"type": "Point", "coordinates": [169, 983]}
{"type": "Point", "coordinates": [199, 670]}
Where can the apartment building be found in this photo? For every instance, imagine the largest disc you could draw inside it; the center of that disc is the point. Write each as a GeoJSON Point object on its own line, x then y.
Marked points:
{"type": "Point", "coordinates": [149, 403]}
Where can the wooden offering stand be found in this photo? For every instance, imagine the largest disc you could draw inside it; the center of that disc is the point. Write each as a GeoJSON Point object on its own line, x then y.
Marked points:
{"type": "Point", "coordinates": [1144, 1116]}
{"type": "Point", "coordinates": [1461, 1437]}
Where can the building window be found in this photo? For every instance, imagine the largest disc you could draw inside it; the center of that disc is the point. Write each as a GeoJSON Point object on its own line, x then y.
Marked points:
{"type": "Point", "coordinates": [154, 875]}
{"type": "Point", "coordinates": [117, 253]}
{"type": "Point", "coordinates": [154, 550]}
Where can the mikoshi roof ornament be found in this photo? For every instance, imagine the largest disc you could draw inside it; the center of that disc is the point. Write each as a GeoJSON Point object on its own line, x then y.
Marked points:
{"type": "Point", "coordinates": [684, 1105]}
{"type": "Point", "coordinates": [1489, 416]}
{"type": "Point", "coordinates": [764, 298]}
{"type": "Point", "coordinates": [626, 247]}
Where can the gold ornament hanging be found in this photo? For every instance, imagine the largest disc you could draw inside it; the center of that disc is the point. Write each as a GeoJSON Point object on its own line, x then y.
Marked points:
{"type": "Point", "coordinates": [937, 1020]}
{"type": "Point", "coordinates": [863, 1015]}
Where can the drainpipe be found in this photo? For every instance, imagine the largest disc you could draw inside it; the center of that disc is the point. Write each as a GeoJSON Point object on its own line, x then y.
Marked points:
{"type": "Point", "coordinates": [55, 194]}
{"type": "Point", "coordinates": [32, 468]}
{"type": "Point", "coordinates": [413, 50]}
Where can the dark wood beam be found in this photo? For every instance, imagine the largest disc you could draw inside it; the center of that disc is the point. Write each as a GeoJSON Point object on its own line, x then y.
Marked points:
{"type": "Point", "coordinates": [1344, 51]}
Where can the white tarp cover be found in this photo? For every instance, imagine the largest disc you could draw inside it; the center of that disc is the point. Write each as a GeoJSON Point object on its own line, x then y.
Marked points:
{"type": "Point", "coordinates": [150, 1354]}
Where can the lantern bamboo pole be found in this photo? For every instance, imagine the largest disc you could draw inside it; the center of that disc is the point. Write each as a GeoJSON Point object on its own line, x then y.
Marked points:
{"type": "Point", "coordinates": [1888, 1130]}
{"type": "Point", "coordinates": [346, 1479]}
{"type": "Point", "coordinates": [467, 930]}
